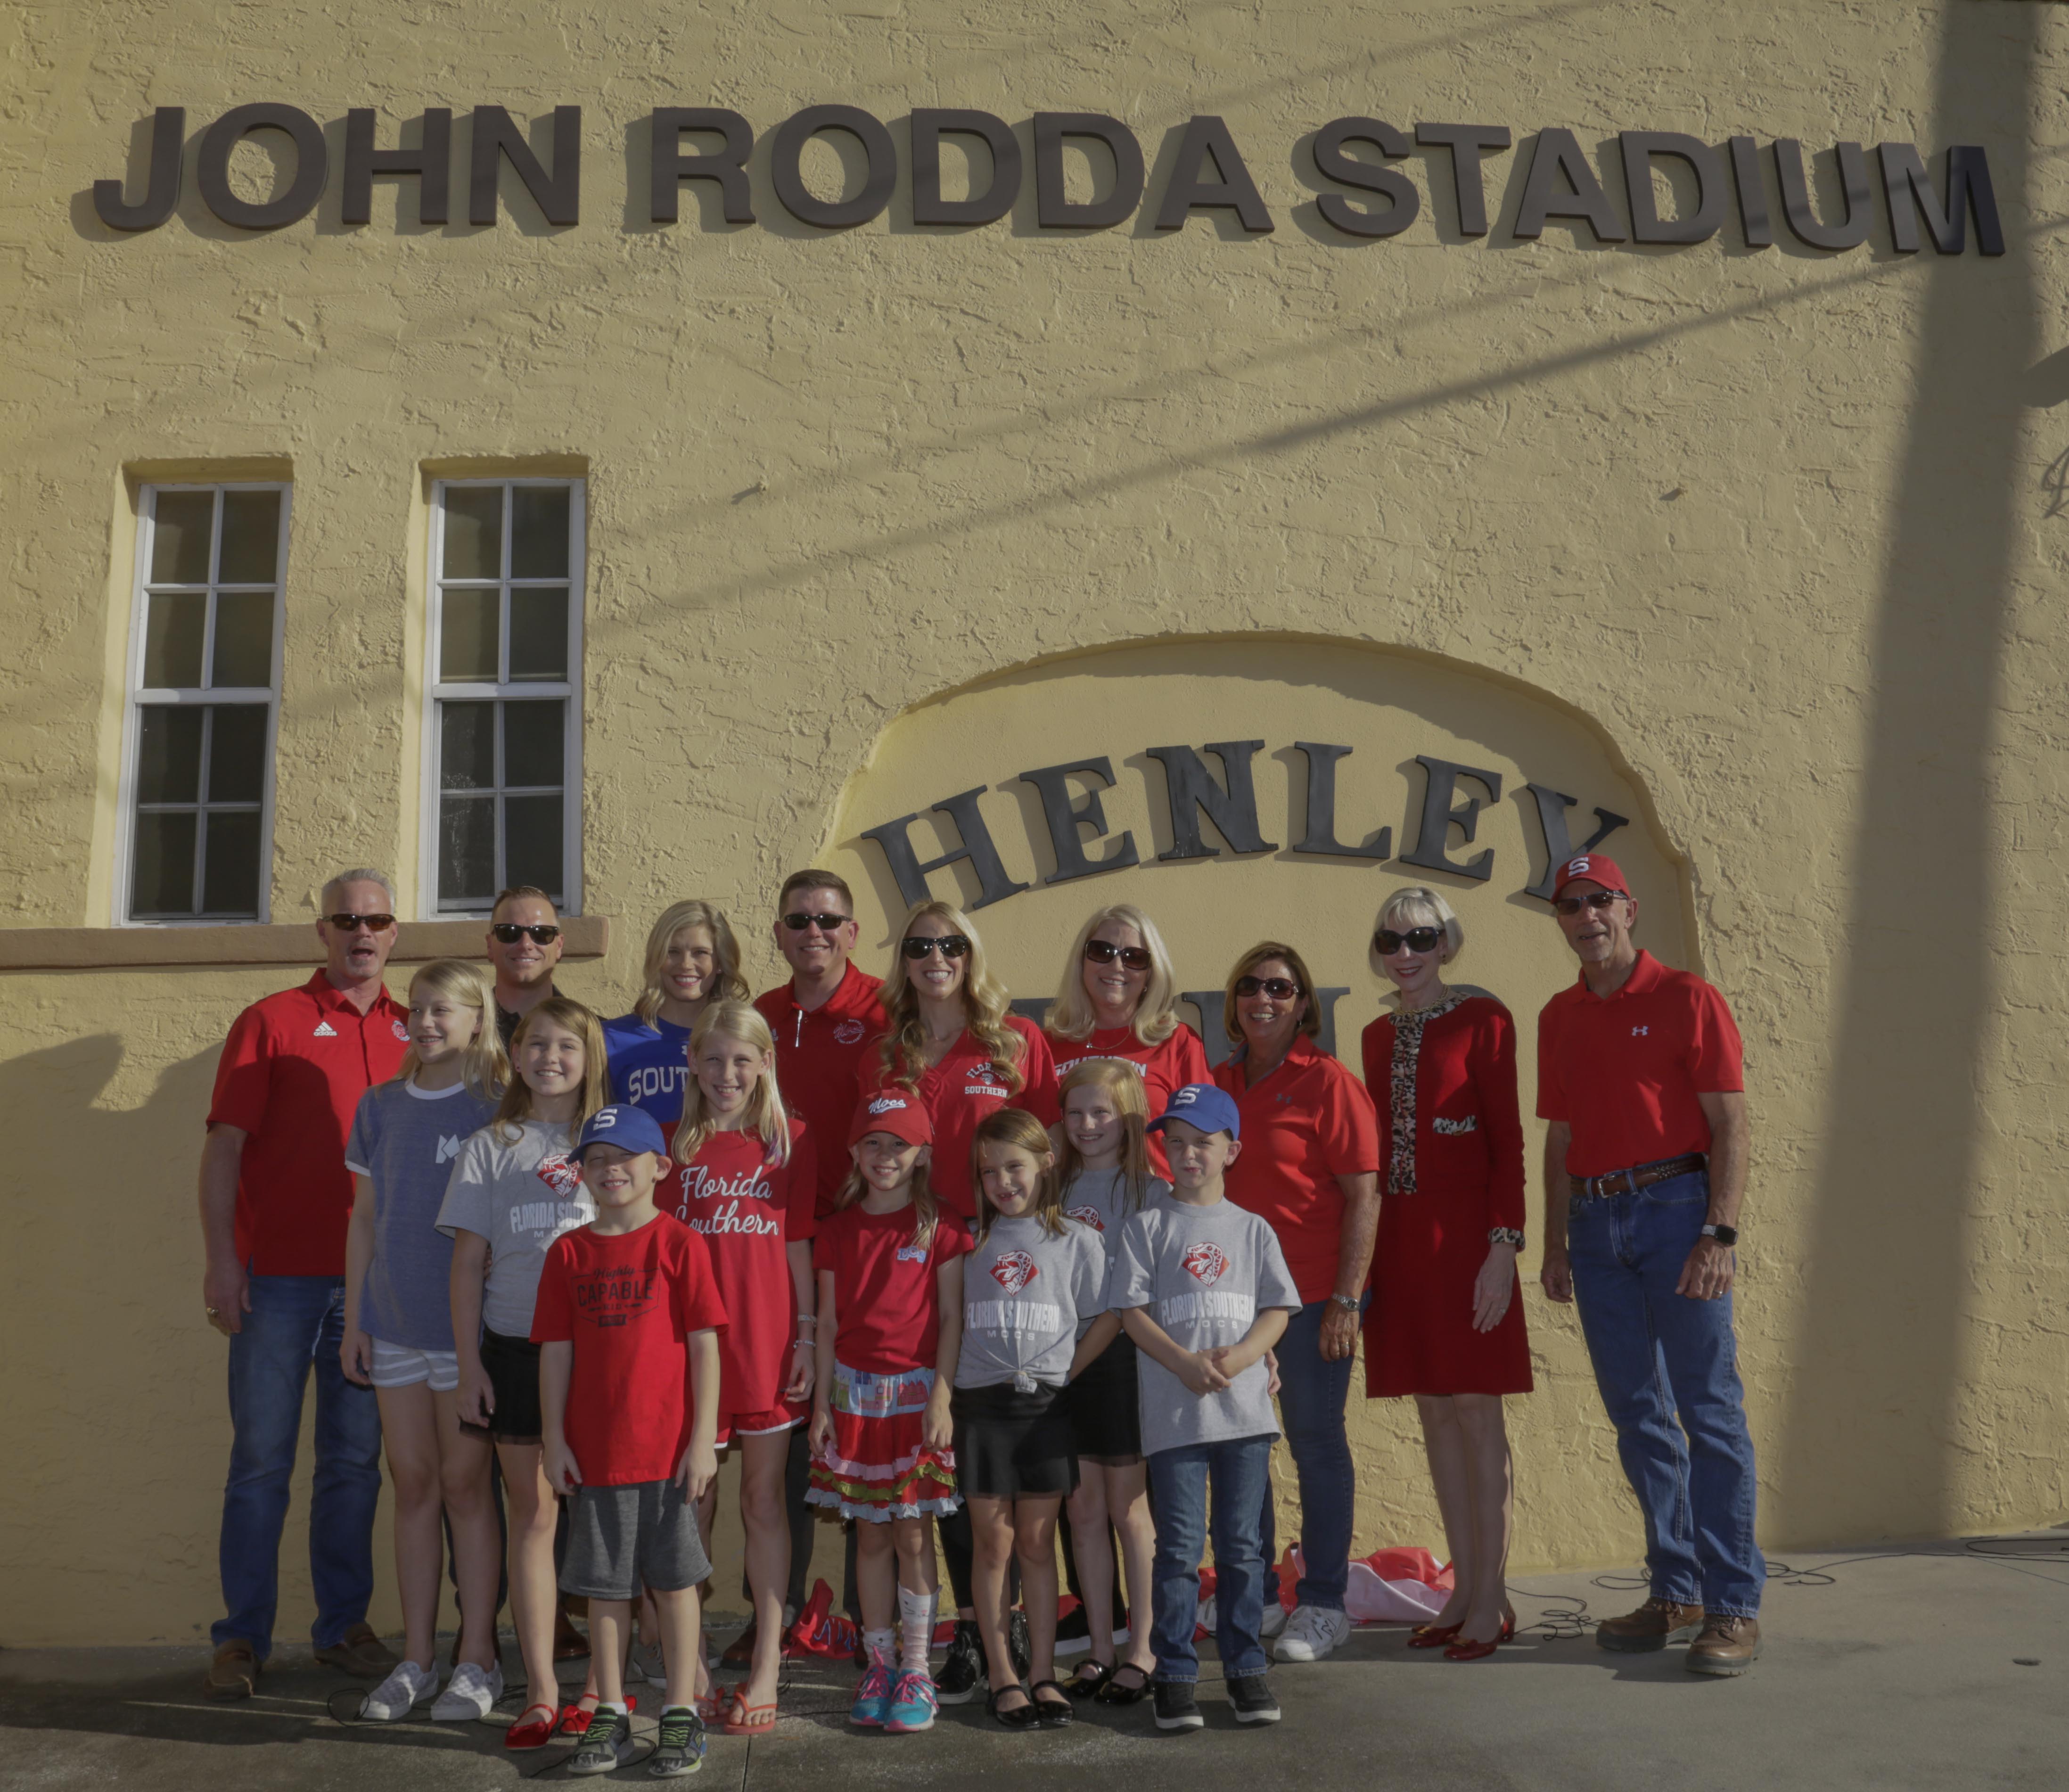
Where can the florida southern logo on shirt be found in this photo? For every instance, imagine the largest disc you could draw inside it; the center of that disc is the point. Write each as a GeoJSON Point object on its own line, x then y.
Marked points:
{"type": "Point", "coordinates": [741, 1203]}
{"type": "Point", "coordinates": [559, 1175]}
{"type": "Point", "coordinates": [1013, 1271]}
{"type": "Point", "coordinates": [402, 1032]}
{"type": "Point", "coordinates": [1086, 1216]}
{"type": "Point", "coordinates": [986, 1078]}
{"type": "Point", "coordinates": [848, 1032]}
{"type": "Point", "coordinates": [547, 1219]}
{"type": "Point", "coordinates": [1207, 1263]}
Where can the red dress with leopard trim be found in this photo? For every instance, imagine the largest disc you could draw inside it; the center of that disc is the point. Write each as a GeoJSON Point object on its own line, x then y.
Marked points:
{"type": "Point", "coordinates": [1451, 1169]}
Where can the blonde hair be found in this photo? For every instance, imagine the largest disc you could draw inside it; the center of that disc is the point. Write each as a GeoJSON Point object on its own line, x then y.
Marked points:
{"type": "Point", "coordinates": [484, 1066]}
{"type": "Point", "coordinates": [766, 1114]}
{"type": "Point", "coordinates": [1156, 1016]}
{"type": "Point", "coordinates": [1131, 1100]}
{"type": "Point", "coordinates": [727, 984]}
{"type": "Point", "coordinates": [1415, 903]}
{"type": "Point", "coordinates": [579, 1019]}
{"type": "Point", "coordinates": [903, 1049]}
{"type": "Point", "coordinates": [1019, 1129]}
{"type": "Point", "coordinates": [926, 1205]}
{"type": "Point", "coordinates": [1311, 1017]}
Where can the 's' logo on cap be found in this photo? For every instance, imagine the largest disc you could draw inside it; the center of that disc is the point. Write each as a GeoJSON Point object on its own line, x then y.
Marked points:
{"type": "Point", "coordinates": [1575, 867]}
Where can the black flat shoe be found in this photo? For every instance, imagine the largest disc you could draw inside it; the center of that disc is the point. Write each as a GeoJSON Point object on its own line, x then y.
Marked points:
{"type": "Point", "coordinates": [1090, 1677]}
{"type": "Point", "coordinates": [1118, 1691]}
{"type": "Point", "coordinates": [1051, 1714]}
{"type": "Point", "coordinates": [1020, 1717]}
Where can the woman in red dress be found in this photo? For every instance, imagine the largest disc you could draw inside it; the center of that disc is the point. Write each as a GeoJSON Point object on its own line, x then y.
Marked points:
{"type": "Point", "coordinates": [1445, 1322]}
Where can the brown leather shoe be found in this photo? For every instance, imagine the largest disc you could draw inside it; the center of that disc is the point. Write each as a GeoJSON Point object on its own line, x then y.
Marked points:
{"type": "Point", "coordinates": [1653, 1626]}
{"type": "Point", "coordinates": [1726, 1646]}
{"type": "Point", "coordinates": [233, 1674]}
{"type": "Point", "coordinates": [360, 1653]}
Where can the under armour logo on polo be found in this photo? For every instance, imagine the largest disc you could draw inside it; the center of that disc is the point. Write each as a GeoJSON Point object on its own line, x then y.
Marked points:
{"type": "Point", "coordinates": [448, 1148]}
{"type": "Point", "coordinates": [324, 1031]}
{"type": "Point", "coordinates": [1636, 1031]}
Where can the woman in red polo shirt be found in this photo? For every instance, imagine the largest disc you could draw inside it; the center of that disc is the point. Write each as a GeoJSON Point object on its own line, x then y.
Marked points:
{"type": "Point", "coordinates": [1308, 1166]}
{"type": "Point", "coordinates": [1445, 1322]}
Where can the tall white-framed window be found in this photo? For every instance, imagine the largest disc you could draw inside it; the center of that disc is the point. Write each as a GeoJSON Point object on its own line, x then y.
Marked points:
{"type": "Point", "coordinates": [503, 720]}
{"type": "Point", "coordinates": [204, 676]}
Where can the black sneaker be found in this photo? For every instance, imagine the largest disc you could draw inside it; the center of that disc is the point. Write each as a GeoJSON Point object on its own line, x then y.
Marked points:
{"type": "Point", "coordinates": [1177, 1708]}
{"type": "Point", "coordinates": [1252, 1698]}
{"type": "Point", "coordinates": [964, 1672]}
{"type": "Point", "coordinates": [605, 1746]}
{"type": "Point", "coordinates": [679, 1749]}
{"type": "Point", "coordinates": [1017, 1643]}
{"type": "Point", "coordinates": [1074, 1634]}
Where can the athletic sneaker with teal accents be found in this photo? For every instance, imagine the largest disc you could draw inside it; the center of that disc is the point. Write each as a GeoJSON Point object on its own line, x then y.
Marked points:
{"type": "Point", "coordinates": [913, 1704]}
{"type": "Point", "coordinates": [606, 1745]}
{"type": "Point", "coordinates": [680, 1748]}
{"type": "Point", "coordinates": [872, 1698]}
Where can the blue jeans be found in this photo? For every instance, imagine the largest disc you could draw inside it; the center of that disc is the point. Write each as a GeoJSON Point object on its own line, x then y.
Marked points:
{"type": "Point", "coordinates": [1178, 1481]}
{"type": "Point", "coordinates": [1313, 1393]}
{"type": "Point", "coordinates": [296, 1323]}
{"type": "Point", "coordinates": [1668, 1372]}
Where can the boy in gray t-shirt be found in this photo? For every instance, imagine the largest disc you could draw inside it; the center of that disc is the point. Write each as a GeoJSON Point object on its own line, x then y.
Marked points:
{"type": "Point", "coordinates": [1202, 1288]}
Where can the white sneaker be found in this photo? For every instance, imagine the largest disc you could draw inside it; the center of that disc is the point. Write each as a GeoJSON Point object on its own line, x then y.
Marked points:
{"type": "Point", "coordinates": [1274, 1620]}
{"type": "Point", "coordinates": [469, 1695]}
{"type": "Point", "coordinates": [645, 1663]}
{"type": "Point", "coordinates": [1312, 1633]}
{"type": "Point", "coordinates": [390, 1701]}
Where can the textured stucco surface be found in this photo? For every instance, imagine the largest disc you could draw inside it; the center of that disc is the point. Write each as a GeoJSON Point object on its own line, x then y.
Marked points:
{"type": "Point", "coordinates": [1779, 526]}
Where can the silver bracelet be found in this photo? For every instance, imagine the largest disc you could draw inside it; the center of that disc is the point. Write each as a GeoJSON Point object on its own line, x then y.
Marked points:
{"type": "Point", "coordinates": [1505, 1235]}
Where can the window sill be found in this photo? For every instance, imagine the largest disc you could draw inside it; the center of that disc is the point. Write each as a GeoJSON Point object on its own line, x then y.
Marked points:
{"type": "Point", "coordinates": [32, 948]}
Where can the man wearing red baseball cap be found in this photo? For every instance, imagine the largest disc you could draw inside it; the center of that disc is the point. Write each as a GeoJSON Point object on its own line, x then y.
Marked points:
{"type": "Point", "coordinates": [1638, 1073]}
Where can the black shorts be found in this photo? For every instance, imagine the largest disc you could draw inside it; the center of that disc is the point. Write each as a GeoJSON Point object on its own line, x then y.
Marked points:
{"type": "Point", "coordinates": [1010, 1445]}
{"type": "Point", "coordinates": [512, 1364]}
{"type": "Point", "coordinates": [1104, 1405]}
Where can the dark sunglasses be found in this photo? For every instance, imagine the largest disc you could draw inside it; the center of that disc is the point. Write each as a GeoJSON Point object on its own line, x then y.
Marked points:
{"type": "Point", "coordinates": [1105, 952]}
{"type": "Point", "coordinates": [1416, 939]}
{"type": "Point", "coordinates": [1279, 989]}
{"type": "Point", "coordinates": [351, 923]}
{"type": "Point", "coordinates": [510, 933]}
{"type": "Point", "coordinates": [952, 945]}
{"type": "Point", "coordinates": [1602, 899]}
{"type": "Point", "coordinates": [825, 924]}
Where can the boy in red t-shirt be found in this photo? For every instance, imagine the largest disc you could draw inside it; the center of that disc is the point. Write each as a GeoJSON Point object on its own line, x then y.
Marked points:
{"type": "Point", "coordinates": [628, 1317]}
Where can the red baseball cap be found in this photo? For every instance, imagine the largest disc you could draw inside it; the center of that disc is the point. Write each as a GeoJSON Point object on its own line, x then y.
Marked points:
{"type": "Point", "coordinates": [897, 1111]}
{"type": "Point", "coordinates": [1590, 867]}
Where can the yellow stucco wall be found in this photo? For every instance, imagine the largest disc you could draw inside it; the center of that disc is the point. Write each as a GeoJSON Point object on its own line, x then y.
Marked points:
{"type": "Point", "coordinates": [1764, 541]}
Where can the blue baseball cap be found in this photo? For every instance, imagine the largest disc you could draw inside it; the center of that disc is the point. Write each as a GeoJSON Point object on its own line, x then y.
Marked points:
{"type": "Point", "coordinates": [1206, 1105]}
{"type": "Point", "coordinates": [630, 1129]}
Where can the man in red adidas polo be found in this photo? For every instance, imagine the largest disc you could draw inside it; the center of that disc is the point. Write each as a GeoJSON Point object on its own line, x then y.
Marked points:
{"type": "Point", "coordinates": [1638, 1074]}
{"type": "Point", "coordinates": [275, 1197]}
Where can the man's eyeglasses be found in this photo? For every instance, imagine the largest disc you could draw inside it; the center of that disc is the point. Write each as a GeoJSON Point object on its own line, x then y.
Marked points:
{"type": "Point", "coordinates": [1279, 989]}
{"type": "Point", "coordinates": [951, 945]}
{"type": "Point", "coordinates": [509, 932]}
{"type": "Point", "coordinates": [352, 923]}
{"type": "Point", "coordinates": [1416, 939]}
{"type": "Point", "coordinates": [1602, 899]}
{"type": "Point", "coordinates": [1105, 952]}
{"type": "Point", "coordinates": [825, 924]}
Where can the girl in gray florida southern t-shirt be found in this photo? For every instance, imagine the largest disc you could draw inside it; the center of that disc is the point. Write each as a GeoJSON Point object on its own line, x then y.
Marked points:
{"type": "Point", "coordinates": [1025, 1290]}
{"type": "Point", "coordinates": [520, 1196]}
{"type": "Point", "coordinates": [1099, 1198]}
{"type": "Point", "coordinates": [1204, 1274]}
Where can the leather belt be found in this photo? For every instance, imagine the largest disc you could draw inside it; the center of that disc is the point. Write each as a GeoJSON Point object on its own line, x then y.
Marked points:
{"type": "Point", "coordinates": [1629, 1181]}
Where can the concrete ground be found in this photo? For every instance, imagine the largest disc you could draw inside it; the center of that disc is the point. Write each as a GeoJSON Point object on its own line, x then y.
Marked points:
{"type": "Point", "coordinates": [1941, 1666]}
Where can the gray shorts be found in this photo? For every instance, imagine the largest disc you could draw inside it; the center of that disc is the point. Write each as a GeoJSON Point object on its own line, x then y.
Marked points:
{"type": "Point", "coordinates": [622, 1538]}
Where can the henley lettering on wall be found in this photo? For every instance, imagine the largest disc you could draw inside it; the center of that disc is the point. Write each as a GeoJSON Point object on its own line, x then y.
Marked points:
{"type": "Point", "coordinates": [1075, 821]}
{"type": "Point", "coordinates": [1208, 172]}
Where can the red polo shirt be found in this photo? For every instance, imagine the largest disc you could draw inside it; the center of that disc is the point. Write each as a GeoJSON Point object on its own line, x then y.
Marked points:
{"type": "Point", "coordinates": [290, 1076]}
{"type": "Point", "coordinates": [1624, 1071]}
{"type": "Point", "coordinates": [819, 1059]}
{"type": "Point", "coordinates": [1305, 1125]}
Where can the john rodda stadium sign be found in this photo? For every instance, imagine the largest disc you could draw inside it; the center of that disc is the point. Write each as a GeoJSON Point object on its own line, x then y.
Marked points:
{"type": "Point", "coordinates": [1346, 162]}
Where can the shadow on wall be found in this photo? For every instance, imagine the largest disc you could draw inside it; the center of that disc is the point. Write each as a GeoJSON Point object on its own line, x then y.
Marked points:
{"type": "Point", "coordinates": [1878, 1377]}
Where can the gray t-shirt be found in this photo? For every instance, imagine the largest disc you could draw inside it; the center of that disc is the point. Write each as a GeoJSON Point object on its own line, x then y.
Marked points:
{"type": "Point", "coordinates": [404, 1140]}
{"type": "Point", "coordinates": [1024, 1291]}
{"type": "Point", "coordinates": [1099, 1198]}
{"type": "Point", "coordinates": [519, 1196]}
{"type": "Point", "coordinates": [1204, 1273]}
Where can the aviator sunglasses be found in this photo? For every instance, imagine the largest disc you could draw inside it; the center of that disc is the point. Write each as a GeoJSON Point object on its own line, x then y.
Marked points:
{"type": "Point", "coordinates": [1279, 989]}
{"type": "Point", "coordinates": [1105, 952]}
{"type": "Point", "coordinates": [1416, 939]}
{"type": "Point", "coordinates": [1602, 899]}
{"type": "Point", "coordinates": [351, 923]}
{"type": "Point", "coordinates": [825, 924]}
{"type": "Point", "coordinates": [952, 945]}
{"type": "Point", "coordinates": [510, 933]}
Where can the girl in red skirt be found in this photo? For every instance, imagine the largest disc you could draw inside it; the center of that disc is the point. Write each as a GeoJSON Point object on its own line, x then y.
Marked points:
{"type": "Point", "coordinates": [891, 1290]}
{"type": "Point", "coordinates": [1445, 1321]}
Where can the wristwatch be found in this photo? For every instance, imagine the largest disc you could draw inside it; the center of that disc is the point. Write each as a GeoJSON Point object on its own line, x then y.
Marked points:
{"type": "Point", "coordinates": [1348, 1303]}
{"type": "Point", "coordinates": [1726, 1235]}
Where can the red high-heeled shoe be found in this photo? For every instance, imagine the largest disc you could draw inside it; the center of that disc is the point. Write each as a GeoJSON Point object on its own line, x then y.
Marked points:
{"type": "Point", "coordinates": [1479, 1651]}
{"type": "Point", "coordinates": [1433, 1636]}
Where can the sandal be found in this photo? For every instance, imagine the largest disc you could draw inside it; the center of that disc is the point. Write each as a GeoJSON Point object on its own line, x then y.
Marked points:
{"type": "Point", "coordinates": [1434, 1636]}
{"type": "Point", "coordinates": [1114, 1692]}
{"type": "Point", "coordinates": [1051, 1714]}
{"type": "Point", "coordinates": [534, 1735]}
{"type": "Point", "coordinates": [1020, 1717]}
{"type": "Point", "coordinates": [1089, 1678]}
{"type": "Point", "coordinates": [742, 1717]}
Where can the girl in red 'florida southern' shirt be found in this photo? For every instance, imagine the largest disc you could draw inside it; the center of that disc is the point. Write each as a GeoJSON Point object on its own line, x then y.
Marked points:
{"type": "Point", "coordinates": [746, 1183]}
{"type": "Point", "coordinates": [948, 1036]}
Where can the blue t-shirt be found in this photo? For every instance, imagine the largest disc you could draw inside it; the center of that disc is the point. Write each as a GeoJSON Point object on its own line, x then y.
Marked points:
{"type": "Point", "coordinates": [407, 1139]}
{"type": "Point", "coordinates": [649, 1060]}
